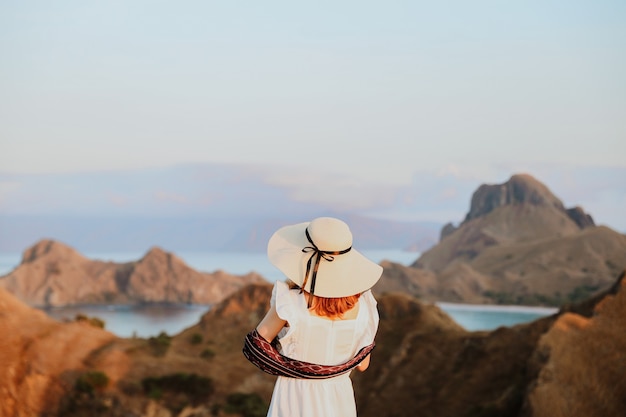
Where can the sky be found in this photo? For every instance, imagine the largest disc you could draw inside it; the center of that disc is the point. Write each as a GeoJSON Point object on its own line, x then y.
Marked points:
{"type": "Point", "coordinates": [380, 93]}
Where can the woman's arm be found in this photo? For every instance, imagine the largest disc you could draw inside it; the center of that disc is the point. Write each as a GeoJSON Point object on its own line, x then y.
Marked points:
{"type": "Point", "coordinates": [270, 325]}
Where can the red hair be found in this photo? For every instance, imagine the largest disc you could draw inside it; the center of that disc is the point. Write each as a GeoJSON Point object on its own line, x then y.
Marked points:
{"type": "Point", "coordinates": [332, 308]}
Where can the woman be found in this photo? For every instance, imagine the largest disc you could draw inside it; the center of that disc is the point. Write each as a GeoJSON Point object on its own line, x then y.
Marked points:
{"type": "Point", "coordinates": [324, 314]}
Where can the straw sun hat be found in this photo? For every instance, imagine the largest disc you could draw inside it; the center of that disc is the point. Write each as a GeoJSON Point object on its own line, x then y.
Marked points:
{"type": "Point", "coordinates": [319, 257]}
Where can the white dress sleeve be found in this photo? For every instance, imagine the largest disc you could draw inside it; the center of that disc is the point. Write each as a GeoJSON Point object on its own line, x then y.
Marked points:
{"type": "Point", "coordinates": [284, 301]}
{"type": "Point", "coordinates": [371, 322]}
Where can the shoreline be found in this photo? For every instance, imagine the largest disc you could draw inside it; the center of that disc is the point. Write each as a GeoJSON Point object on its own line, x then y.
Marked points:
{"type": "Point", "coordinates": [512, 308]}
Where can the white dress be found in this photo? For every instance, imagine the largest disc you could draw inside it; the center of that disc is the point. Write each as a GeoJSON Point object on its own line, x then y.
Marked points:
{"type": "Point", "coordinates": [327, 342]}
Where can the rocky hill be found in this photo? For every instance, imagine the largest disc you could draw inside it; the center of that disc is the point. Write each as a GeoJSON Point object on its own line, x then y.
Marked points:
{"type": "Point", "coordinates": [518, 244]}
{"type": "Point", "coordinates": [54, 274]}
{"type": "Point", "coordinates": [41, 359]}
{"type": "Point", "coordinates": [520, 210]}
{"type": "Point", "coordinates": [567, 364]}
{"type": "Point", "coordinates": [564, 365]}
{"type": "Point", "coordinates": [579, 362]}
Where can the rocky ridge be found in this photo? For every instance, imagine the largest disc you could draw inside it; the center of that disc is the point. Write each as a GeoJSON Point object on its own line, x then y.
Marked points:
{"type": "Point", "coordinates": [519, 189]}
{"type": "Point", "coordinates": [52, 274]}
{"type": "Point", "coordinates": [518, 244]}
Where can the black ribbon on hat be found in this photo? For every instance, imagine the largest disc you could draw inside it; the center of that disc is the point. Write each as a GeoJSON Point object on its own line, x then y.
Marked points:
{"type": "Point", "coordinates": [318, 255]}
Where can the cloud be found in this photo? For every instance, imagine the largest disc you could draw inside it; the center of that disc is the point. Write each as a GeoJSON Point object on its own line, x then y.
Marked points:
{"type": "Point", "coordinates": [7, 188]}
{"type": "Point", "coordinates": [118, 200]}
{"type": "Point", "coordinates": [333, 190]}
{"type": "Point", "coordinates": [170, 197]}
{"type": "Point", "coordinates": [447, 194]}
{"type": "Point", "coordinates": [442, 195]}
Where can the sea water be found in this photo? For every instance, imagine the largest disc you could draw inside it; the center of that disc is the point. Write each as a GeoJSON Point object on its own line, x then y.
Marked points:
{"type": "Point", "coordinates": [137, 321]}
{"type": "Point", "coordinates": [150, 320]}
{"type": "Point", "coordinates": [489, 317]}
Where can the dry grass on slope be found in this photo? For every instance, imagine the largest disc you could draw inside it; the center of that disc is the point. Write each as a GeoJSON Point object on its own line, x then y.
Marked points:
{"type": "Point", "coordinates": [40, 358]}
{"type": "Point", "coordinates": [584, 363]}
{"type": "Point", "coordinates": [593, 257]}
{"type": "Point", "coordinates": [503, 226]}
{"type": "Point", "coordinates": [425, 364]}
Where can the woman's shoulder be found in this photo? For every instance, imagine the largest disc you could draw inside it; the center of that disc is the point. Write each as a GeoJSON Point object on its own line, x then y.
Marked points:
{"type": "Point", "coordinates": [370, 304]}
{"type": "Point", "coordinates": [368, 298]}
{"type": "Point", "coordinates": [283, 290]}
{"type": "Point", "coordinates": [286, 300]}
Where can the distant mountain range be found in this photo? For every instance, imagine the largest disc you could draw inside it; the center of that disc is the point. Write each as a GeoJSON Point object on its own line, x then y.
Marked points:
{"type": "Point", "coordinates": [236, 207]}
{"type": "Point", "coordinates": [52, 274]}
{"type": "Point", "coordinates": [192, 207]}
{"type": "Point", "coordinates": [119, 234]}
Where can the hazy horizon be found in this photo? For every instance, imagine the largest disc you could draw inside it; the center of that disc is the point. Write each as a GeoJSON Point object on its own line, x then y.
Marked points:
{"type": "Point", "coordinates": [395, 111]}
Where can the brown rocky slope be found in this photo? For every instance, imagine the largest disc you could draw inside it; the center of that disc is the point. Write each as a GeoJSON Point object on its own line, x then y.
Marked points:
{"type": "Point", "coordinates": [40, 359]}
{"type": "Point", "coordinates": [550, 367]}
{"type": "Point", "coordinates": [54, 274]}
{"type": "Point", "coordinates": [581, 362]}
{"type": "Point", "coordinates": [518, 244]}
{"type": "Point", "coordinates": [569, 364]}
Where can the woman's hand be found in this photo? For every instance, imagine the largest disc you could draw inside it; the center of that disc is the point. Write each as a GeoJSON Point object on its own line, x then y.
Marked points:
{"type": "Point", "coordinates": [365, 363]}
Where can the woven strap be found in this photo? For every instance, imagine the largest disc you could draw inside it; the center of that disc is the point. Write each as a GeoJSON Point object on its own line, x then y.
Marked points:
{"type": "Point", "coordinates": [266, 357]}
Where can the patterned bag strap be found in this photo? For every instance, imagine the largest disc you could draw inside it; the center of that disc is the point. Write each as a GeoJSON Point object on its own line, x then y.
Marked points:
{"type": "Point", "coordinates": [266, 357]}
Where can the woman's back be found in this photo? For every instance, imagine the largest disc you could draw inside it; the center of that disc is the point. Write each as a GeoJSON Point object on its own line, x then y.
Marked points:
{"type": "Point", "coordinates": [318, 339]}
{"type": "Point", "coordinates": [318, 257]}
{"type": "Point", "coordinates": [322, 341]}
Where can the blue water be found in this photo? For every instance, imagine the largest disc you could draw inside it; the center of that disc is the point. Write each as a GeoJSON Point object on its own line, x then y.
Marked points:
{"type": "Point", "coordinates": [137, 321]}
{"type": "Point", "coordinates": [146, 321]}
{"type": "Point", "coordinates": [490, 317]}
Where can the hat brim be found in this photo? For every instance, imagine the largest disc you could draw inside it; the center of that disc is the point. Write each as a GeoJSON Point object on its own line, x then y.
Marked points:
{"type": "Point", "coordinates": [348, 274]}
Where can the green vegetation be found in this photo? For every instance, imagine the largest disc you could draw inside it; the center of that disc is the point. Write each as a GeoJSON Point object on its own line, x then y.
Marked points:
{"type": "Point", "coordinates": [87, 398]}
{"type": "Point", "coordinates": [612, 266]}
{"type": "Point", "coordinates": [504, 298]}
{"type": "Point", "coordinates": [583, 292]}
{"type": "Point", "coordinates": [179, 389]}
{"type": "Point", "coordinates": [195, 339]}
{"type": "Point", "coordinates": [160, 344]}
{"type": "Point", "coordinates": [247, 405]}
{"type": "Point", "coordinates": [207, 354]}
{"type": "Point", "coordinates": [577, 294]}
{"type": "Point", "coordinates": [91, 381]}
{"type": "Point", "coordinates": [94, 321]}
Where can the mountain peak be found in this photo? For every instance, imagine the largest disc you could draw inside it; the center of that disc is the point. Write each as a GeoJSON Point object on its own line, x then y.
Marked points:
{"type": "Point", "coordinates": [519, 189]}
{"type": "Point", "coordinates": [518, 211]}
{"type": "Point", "coordinates": [155, 252]}
{"type": "Point", "coordinates": [49, 248]}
